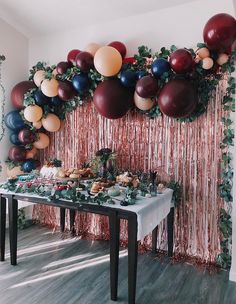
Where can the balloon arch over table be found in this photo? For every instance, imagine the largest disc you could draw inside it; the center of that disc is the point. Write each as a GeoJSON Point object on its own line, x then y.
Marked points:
{"type": "Point", "coordinates": [175, 82]}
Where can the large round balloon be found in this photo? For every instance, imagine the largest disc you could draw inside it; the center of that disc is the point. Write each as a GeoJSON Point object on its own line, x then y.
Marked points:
{"type": "Point", "coordinates": [31, 153]}
{"type": "Point", "coordinates": [65, 90]}
{"type": "Point", "coordinates": [40, 98]}
{"type": "Point", "coordinates": [84, 61]}
{"type": "Point", "coordinates": [92, 48]}
{"type": "Point", "coordinates": [159, 67]}
{"type": "Point", "coordinates": [147, 86]}
{"type": "Point", "coordinates": [220, 32]}
{"type": "Point", "coordinates": [39, 76]}
{"type": "Point", "coordinates": [181, 61]}
{"type": "Point", "coordinates": [177, 98]}
{"type": "Point", "coordinates": [14, 121]}
{"type": "Point", "coordinates": [111, 99]}
{"type": "Point", "coordinates": [42, 142]}
{"type": "Point", "coordinates": [128, 78]}
{"type": "Point", "coordinates": [108, 61]}
{"type": "Point", "coordinates": [72, 56]}
{"type": "Point", "coordinates": [80, 83]}
{"type": "Point", "coordinates": [17, 153]}
{"type": "Point", "coordinates": [18, 92]}
{"type": "Point", "coordinates": [121, 48]}
{"type": "Point", "coordinates": [51, 123]}
{"type": "Point", "coordinates": [14, 139]}
{"type": "Point", "coordinates": [143, 104]}
{"type": "Point", "coordinates": [63, 66]}
{"type": "Point", "coordinates": [49, 87]}
{"type": "Point", "coordinates": [33, 113]}
{"type": "Point", "coordinates": [28, 165]}
{"type": "Point", "coordinates": [26, 136]}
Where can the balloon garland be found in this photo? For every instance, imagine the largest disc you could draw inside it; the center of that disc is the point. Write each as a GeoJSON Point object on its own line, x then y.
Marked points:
{"type": "Point", "coordinates": [3, 103]}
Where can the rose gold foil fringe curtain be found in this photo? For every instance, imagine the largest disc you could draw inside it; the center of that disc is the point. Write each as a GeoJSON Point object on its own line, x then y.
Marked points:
{"type": "Point", "coordinates": [190, 152]}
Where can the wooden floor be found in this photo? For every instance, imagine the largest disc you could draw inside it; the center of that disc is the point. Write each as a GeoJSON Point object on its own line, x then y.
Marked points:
{"type": "Point", "coordinates": [53, 270]}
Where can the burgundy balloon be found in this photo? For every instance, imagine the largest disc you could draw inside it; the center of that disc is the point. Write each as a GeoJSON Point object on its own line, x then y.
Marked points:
{"type": "Point", "coordinates": [72, 56]}
{"type": "Point", "coordinates": [121, 48]}
{"type": "Point", "coordinates": [17, 93]}
{"type": "Point", "coordinates": [146, 86]}
{"type": "Point", "coordinates": [26, 136]}
{"type": "Point", "coordinates": [63, 66]}
{"type": "Point", "coordinates": [178, 98]}
{"type": "Point", "coordinates": [181, 61]}
{"type": "Point", "coordinates": [84, 61]}
{"type": "Point", "coordinates": [66, 90]}
{"type": "Point", "coordinates": [112, 100]}
{"type": "Point", "coordinates": [220, 32]}
{"type": "Point", "coordinates": [17, 153]}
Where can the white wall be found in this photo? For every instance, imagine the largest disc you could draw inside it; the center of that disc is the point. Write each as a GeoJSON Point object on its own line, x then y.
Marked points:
{"type": "Point", "coordinates": [15, 69]}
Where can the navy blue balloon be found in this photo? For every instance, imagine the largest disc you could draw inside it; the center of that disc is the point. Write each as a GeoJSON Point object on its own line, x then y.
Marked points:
{"type": "Point", "coordinates": [128, 78]}
{"type": "Point", "coordinates": [141, 74]}
{"type": "Point", "coordinates": [28, 165]}
{"type": "Point", "coordinates": [14, 121]}
{"type": "Point", "coordinates": [80, 83]}
{"type": "Point", "coordinates": [14, 139]}
{"type": "Point", "coordinates": [159, 67]}
{"type": "Point", "coordinates": [40, 98]}
{"type": "Point", "coordinates": [56, 101]}
{"type": "Point", "coordinates": [214, 55]}
{"type": "Point", "coordinates": [125, 66]}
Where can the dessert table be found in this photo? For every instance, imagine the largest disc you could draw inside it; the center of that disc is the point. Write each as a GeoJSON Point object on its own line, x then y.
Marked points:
{"type": "Point", "coordinates": [143, 217]}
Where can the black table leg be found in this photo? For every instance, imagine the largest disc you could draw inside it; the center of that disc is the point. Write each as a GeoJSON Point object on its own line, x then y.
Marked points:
{"type": "Point", "coordinates": [170, 231]}
{"type": "Point", "coordinates": [72, 221]}
{"type": "Point", "coordinates": [132, 256]}
{"type": "Point", "coordinates": [2, 226]}
{"type": "Point", "coordinates": [62, 218]}
{"type": "Point", "coordinates": [154, 239]}
{"type": "Point", "coordinates": [114, 225]}
{"type": "Point", "coordinates": [13, 217]}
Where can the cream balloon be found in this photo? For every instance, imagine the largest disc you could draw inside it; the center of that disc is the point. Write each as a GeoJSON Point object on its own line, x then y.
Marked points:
{"type": "Point", "coordinates": [33, 113]}
{"type": "Point", "coordinates": [51, 123]}
{"type": "Point", "coordinates": [143, 104]}
{"type": "Point", "coordinates": [222, 59]}
{"type": "Point", "coordinates": [39, 76]}
{"type": "Point", "coordinates": [92, 48]}
{"type": "Point", "coordinates": [37, 125]}
{"type": "Point", "coordinates": [49, 87]}
{"type": "Point", "coordinates": [203, 53]}
{"type": "Point", "coordinates": [31, 153]}
{"type": "Point", "coordinates": [107, 61]}
{"type": "Point", "coordinates": [42, 142]}
{"type": "Point", "coordinates": [14, 172]}
{"type": "Point", "coordinates": [207, 63]}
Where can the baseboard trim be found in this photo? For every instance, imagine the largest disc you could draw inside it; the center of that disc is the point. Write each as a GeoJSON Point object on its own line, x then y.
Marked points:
{"type": "Point", "coordinates": [232, 276]}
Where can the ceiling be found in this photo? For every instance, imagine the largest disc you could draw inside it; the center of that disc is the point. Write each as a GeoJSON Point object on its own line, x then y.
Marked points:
{"type": "Point", "coordinates": [34, 18]}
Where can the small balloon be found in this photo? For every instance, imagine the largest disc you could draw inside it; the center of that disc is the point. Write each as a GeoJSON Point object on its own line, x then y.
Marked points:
{"type": "Point", "coordinates": [49, 87]}
{"type": "Point", "coordinates": [65, 90]}
{"type": "Point", "coordinates": [31, 153]}
{"type": "Point", "coordinates": [42, 141]}
{"type": "Point", "coordinates": [80, 83]}
{"type": "Point", "coordinates": [143, 104]}
{"type": "Point", "coordinates": [181, 61]}
{"type": "Point", "coordinates": [84, 61]}
{"type": "Point", "coordinates": [92, 48]}
{"type": "Point", "coordinates": [51, 123]}
{"type": "Point", "coordinates": [14, 121]}
{"type": "Point", "coordinates": [17, 153]}
{"type": "Point", "coordinates": [141, 74]}
{"type": "Point", "coordinates": [159, 67]}
{"type": "Point", "coordinates": [107, 61]}
{"type": "Point", "coordinates": [121, 48]}
{"type": "Point", "coordinates": [26, 136]}
{"type": "Point", "coordinates": [14, 139]}
{"type": "Point", "coordinates": [63, 66]}
{"type": "Point", "coordinates": [222, 58]}
{"type": "Point", "coordinates": [40, 98]}
{"type": "Point", "coordinates": [203, 53]}
{"type": "Point", "coordinates": [39, 76]}
{"type": "Point", "coordinates": [129, 60]}
{"type": "Point", "coordinates": [18, 92]}
{"type": "Point", "coordinates": [28, 165]}
{"type": "Point", "coordinates": [71, 57]}
{"type": "Point", "coordinates": [128, 78]}
{"type": "Point", "coordinates": [37, 125]}
{"type": "Point", "coordinates": [207, 63]}
{"type": "Point", "coordinates": [33, 113]}
{"type": "Point", "coordinates": [147, 86]}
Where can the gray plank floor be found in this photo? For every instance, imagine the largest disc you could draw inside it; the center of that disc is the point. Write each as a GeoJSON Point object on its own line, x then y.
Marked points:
{"type": "Point", "coordinates": [52, 270]}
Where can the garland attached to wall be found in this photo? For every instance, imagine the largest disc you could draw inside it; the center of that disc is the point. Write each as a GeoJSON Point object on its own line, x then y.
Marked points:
{"type": "Point", "coordinates": [2, 104]}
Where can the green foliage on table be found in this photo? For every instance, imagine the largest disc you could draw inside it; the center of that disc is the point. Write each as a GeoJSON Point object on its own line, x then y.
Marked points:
{"type": "Point", "coordinates": [177, 192]}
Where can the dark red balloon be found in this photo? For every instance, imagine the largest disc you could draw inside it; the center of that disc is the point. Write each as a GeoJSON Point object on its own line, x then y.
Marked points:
{"type": "Point", "coordinates": [181, 61]}
{"type": "Point", "coordinates": [84, 61]}
{"type": "Point", "coordinates": [63, 66]}
{"type": "Point", "coordinates": [146, 86]}
{"type": "Point", "coordinates": [17, 153]}
{"type": "Point", "coordinates": [72, 56]}
{"type": "Point", "coordinates": [121, 48]}
{"type": "Point", "coordinates": [26, 136]}
{"type": "Point", "coordinates": [178, 98]}
{"type": "Point", "coordinates": [17, 93]}
{"type": "Point", "coordinates": [112, 100]}
{"type": "Point", "coordinates": [66, 90]}
{"type": "Point", "coordinates": [220, 32]}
